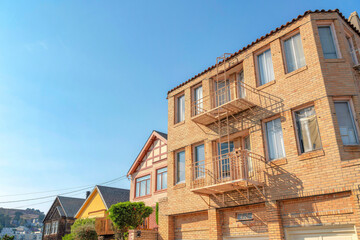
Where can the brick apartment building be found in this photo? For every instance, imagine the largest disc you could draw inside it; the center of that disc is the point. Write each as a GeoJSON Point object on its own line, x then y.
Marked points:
{"type": "Point", "coordinates": [265, 144]}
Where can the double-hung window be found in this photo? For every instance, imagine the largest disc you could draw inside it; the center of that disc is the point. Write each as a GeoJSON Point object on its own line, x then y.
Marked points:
{"type": "Point", "coordinates": [180, 167]}
{"type": "Point", "coordinates": [351, 49]}
{"type": "Point", "coordinates": [199, 161]}
{"type": "Point", "coordinates": [308, 130]}
{"type": "Point", "coordinates": [294, 53]}
{"type": "Point", "coordinates": [222, 92]}
{"type": "Point", "coordinates": [241, 84]}
{"type": "Point", "coordinates": [198, 100]}
{"type": "Point", "coordinates": [345, 117]}
{"type": "Point", "coordinates": [47, 228]}
{"type": "Point", "coordinates": [180, 108]}
{"type": "Point", "coordinates": [143, 186]}
{"type": "Point", "coordinates": [328, 42]}
{"type": "Point", "coordinates": [265, 67]}
{"type": "Point", "coordinates": [161, 179]}
{"type": "Point", "coordinates": [275, 140]}
{"type": "Point", "coordinates": [55, 226]}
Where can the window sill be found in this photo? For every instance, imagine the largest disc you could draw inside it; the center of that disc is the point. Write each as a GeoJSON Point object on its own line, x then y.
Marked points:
{"type": "Point", "coordinates": [142, 197]}
{"type": "Point", "coordinates": [290, 74]}
{"type": "Point", "coordinates": [179, 185]}
{"type": "Point", "coordinates": [352, 148]}
{"type": "Point", "coordinates": [335, 60]}
{"type": "Point", "coordinates": [179, 124]}
{"type": "Point", "coordinates": [266, 85]}
{"type": "Point", "coordinates": [160, 191]}
{"type": "Point", "coordinates": [277, 162]}
{"type": "Point", "coordinates": [312, 154]}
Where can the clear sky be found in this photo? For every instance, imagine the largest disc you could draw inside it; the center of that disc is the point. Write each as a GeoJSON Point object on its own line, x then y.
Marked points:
{"type": "Point", "coordinates": [83, 83]}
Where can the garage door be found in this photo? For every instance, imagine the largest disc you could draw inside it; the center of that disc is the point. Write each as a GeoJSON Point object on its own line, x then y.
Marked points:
{"type": "Point", "coordinates": [322, 233]}
{"type": "Point", "coordinates": [247, 238]}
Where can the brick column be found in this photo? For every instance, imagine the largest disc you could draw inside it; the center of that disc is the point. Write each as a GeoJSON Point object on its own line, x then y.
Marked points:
{"type": "Point", "coordinates": [276, 231]}
{"type": "Point", "coordinates": [215, 226]}
{"type": "Point", "coordinates": [166, 227]}
{"type": "Point", "coordinates": [355, 201]}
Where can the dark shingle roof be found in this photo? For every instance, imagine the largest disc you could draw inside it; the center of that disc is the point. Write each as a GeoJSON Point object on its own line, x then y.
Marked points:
{"type": "Point", "coordinates": [113, 195]}
{"type": "Point", "coordinates": [61, 211]}
{"type": "Point", "coordinates": [164, 135]}
{"type": "Point", "coordinates": [267, 35]}
{"type": "Point", "coordinates": [70, 205]}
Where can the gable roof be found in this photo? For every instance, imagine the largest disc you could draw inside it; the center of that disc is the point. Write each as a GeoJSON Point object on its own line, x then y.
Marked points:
{"type": "Point", "coordinates": [155, 134]}
{"type": "Point", "coordinates": [109, 196]}
{"type": "Point", "coordinates": [268, 35]}
{"type": "Point", "coordinates": [68, 206]}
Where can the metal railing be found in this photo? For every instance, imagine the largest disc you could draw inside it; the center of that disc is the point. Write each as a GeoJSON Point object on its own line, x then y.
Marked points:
{"type": "Point", "coordinates": [238, 165]}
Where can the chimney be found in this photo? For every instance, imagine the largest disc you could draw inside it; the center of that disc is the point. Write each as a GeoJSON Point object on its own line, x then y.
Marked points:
{"type": "Point", "coordinates": [87, 194]}
{"type": "Point", "coordinates": [354, 20]}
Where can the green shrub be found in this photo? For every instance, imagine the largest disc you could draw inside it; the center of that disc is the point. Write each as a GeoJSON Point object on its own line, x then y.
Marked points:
{"type": "Point", "coordinates": [85, 232]}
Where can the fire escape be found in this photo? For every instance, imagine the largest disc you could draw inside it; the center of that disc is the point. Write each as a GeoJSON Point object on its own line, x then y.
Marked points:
{"type": "Point", "coordinates": [232, 106]}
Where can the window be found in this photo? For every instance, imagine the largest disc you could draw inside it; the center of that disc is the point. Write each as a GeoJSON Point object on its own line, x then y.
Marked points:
{"type": "Point", "coordinates": [180, 108]}
{"type": "Point", "coordinates": [327, 42]}
{"type": "Point", "coordinates": [224, 162]}
{"type": "Point", "coordinates": [346, 123]}
{"type": "Point", "coordinates": [275, 140]}
{"type": "Point", "coordinates": [265, 67]}
{"type": "Point", "coordinates": [241, 84]}
{"type": "Point", "coordinates": [54, 227]}
{"type": "Point", "coordinates": [294, 53]}
{"type": "Point", "coordinates": [47, 228]}
{"type": "Point", "coordinates": [198, 100]}
{"type": "Point", "coordinates": [199, 161]}
{"type": "Point", "coordinates": [161, 179]}
{"type": "Point", "coordinates": [308, 130]}
{"type": "Point", "coordinates": [180, 167]}
{"type": "Point", "coordinates": [143, 186]}
{"type": "Point", "coordinates": [351, 49]}
{"type": "Point", "coordinates": [222, 92]}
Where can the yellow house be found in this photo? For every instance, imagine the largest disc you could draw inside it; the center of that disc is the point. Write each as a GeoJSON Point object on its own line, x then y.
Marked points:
{"type": "Point", "coordinates": [100, 200]}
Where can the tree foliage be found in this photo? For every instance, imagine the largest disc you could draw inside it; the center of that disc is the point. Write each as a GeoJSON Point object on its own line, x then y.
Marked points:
{"type": "Point", "coordinates": [128, 215]}
{"type": "Point", "coordinates": [82, 229]}
{"type": "Point", "coordinates": [6, 237]}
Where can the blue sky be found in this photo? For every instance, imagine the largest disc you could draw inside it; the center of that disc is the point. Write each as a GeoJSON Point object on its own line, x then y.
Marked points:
{"type": "Point", "coordinates": [83, 83]}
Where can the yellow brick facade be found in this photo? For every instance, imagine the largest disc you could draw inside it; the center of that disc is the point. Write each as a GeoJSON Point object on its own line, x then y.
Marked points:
{"type": "Point", "coordinates": [317, 188]}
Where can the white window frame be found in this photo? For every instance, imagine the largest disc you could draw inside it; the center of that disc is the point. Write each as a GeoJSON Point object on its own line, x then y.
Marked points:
{"type": "Point", "coordinates": [350, 103]}
{"type": "Point", "coordinates": [287, 37]}
{"type": "Point", "coordinates": [194, 157]}
{"type": "Point", "coordinates": [197, 111]}
{"type": "Point", "coordinates": [177, 120]}
{"type": "Point", "coordinates": [176, 166]}
{"type": "Point", "coordinates": [258, 76]}
{"type": "Point", "coordinates": [266, 137]}
{"type": "Point", "coordinates": [334, 36]}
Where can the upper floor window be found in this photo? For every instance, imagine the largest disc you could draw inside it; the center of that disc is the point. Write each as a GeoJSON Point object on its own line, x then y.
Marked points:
{"type": "Point", "coordinates": [47, 228]}
{"type": "Point", "coordinates": [307, 129]}
{"type": "Point", "coordinates": [161, 179]}
{"type": "Point", "coordinates": [143, 186]}
{"type": "Point", "coordinates": [222, 92]}
{"type": "Point", "coordinates": [351, 49]}
{"type": "Point", "coordinates": [199, 161]}
{"type": "Point", "coordinates": [294, 53]}
{"type": "Point", "coordinates": [241, 84]}
{"type": "Point", "coordinates": [265, 67]}
{"type": "Point", "coordinates": [180, 167]}
{"type": "Point", "coordinates": [328, 43]}
{"type": "Point", "coordinates": [275, 140]}
{"type": "Point", "coordinates": [180, 108]}
{"type": "Point", "coordinates": [345, 117]}
{"type": "Point", "coordinates": [54, 227]}
{"type": "Point", "coordinates": [198, 100]}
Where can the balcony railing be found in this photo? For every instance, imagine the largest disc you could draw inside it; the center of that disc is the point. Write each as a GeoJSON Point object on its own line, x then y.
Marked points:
{"type": "Point", "coordinates": [103, 226]}
{"type": "Point", "coordinates": [222, 173]}
{"type": "Point", "coordinates": [234, 97]}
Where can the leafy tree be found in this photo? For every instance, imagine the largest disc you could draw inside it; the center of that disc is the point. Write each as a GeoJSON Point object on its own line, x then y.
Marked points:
{"type": "Point", "coordinates": [82, 229]}
{"type": "Point", "coordinates": [7, 237]}
{"type": "Point", "coordinates": [128, 215]}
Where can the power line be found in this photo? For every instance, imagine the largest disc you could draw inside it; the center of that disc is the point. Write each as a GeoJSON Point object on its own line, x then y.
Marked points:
{"type": "Point", "coordinates": [66, 193]}
{"type": "Point", "coordinates": [64, 189]}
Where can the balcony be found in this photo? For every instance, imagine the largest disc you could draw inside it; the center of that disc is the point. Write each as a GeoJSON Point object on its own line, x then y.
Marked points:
{"type": "Point", "coordinates": [103, 226]}
{"type": "Point", "coordinates": [239, 169]}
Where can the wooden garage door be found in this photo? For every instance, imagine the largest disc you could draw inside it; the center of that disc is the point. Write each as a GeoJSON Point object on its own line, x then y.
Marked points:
{"type": "Point", "coordinates": [322, 233]}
